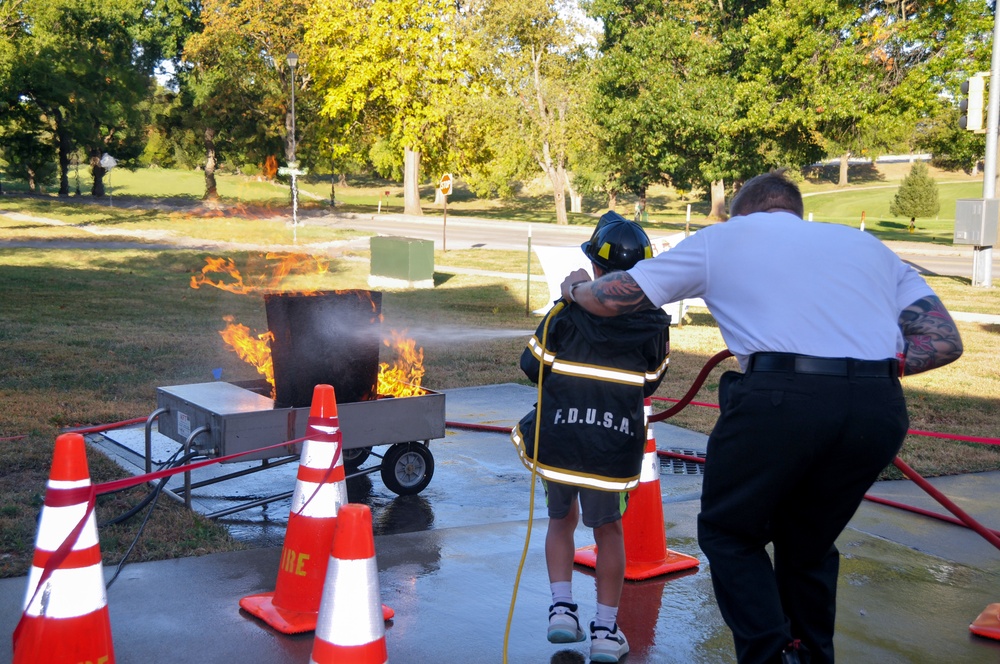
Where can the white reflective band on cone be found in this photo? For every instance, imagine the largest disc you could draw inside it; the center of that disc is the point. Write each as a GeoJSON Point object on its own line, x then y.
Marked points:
{"type": "Point", "coordinates": [650, 471]}
{"type": "Point", "coordinates": [59, 522]}
{"type": "Point", "coordinates": [328, 498]}
{"type": "Point", "coordinates": [316, 454]}
{"type": "Point", "coordinates": [68, 593]}
{"type": "Point", "coordinates": [354, 605]}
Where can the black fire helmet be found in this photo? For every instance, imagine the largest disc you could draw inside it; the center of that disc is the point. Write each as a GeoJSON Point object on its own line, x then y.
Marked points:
{"type": "Point", "coordinates": [617, 243]}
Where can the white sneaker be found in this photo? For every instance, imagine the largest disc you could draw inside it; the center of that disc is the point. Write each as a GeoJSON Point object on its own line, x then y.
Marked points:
{"type": "Point", "coordinates": [564, 625]}
{"type": "Point", "coordinates": [607, 645]}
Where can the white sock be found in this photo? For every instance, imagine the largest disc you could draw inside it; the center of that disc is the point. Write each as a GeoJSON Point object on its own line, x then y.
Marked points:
{"type": "Point", "coordinates": [562, 591]}
{"type": "Point", "coordinates": [606, 616]}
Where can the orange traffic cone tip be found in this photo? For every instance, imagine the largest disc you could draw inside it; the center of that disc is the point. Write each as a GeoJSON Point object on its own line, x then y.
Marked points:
{"type": "Point", "coordinates": [353, 539]}
{"type": "Point", "coordinates": [69, 459]}
{"type": "Point", "coordinates": [324, 402]}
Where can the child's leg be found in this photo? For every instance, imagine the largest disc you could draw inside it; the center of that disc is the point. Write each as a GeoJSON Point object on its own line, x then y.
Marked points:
{"type": "Point", "coordinates": [560, 547]}
{"type": "Point", "coordinates": [610, 568]}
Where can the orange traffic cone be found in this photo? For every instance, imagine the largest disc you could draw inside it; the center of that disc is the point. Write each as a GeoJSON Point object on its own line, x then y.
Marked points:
{"type": "Point", "coordinates": [320, 491]}
{"type": "Point", "coordinates": [65, 615]}
{"type": "Point", "coordinates": [646, 552]}
{"type": "Point", "coordinates": [988, 622]}
{"type": "Point", "coordinates": [350, 627]}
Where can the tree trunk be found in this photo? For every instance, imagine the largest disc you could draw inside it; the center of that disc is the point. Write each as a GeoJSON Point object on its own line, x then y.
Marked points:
{"type": "Point", "coordinates": [211, 189]}
{"type": "Point", "coordinates": [64, 150]}
{"type": "Point", "coordinates": [97, 172]}
{"type": "Point", "coordinates": [612, 200]}
{"type": "Point", "coordinates": [718, 200]}
{"type": "Point", "coordinates": [575, 198]}
{"type": "Point", "coordinates": [557, 176]}
{"type": "Point", "coordinates": [411, 182]}
{"type": "Point", "coordinates": [844, 164]}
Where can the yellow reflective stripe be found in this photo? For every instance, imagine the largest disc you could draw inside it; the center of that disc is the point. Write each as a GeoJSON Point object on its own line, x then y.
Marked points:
{"type": "Point", "coordinates": [536, 350]}
{"type": "Point", "coordinates": [568, 477]}
{"type": "Point", "coordinates": [655, 375]}
{"type": "Point", "coordinates": [599, 373]}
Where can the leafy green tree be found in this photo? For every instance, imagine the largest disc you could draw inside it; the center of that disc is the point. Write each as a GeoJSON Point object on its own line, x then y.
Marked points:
{"type": "Point", "coordinates": [236, 82]}
{"type": "Point", "coordinates": [917, 195]}
{"type": "Point", "coordinates": [83, 67]}
{"type": "Point", "coordinates": [536, 59]}
{"type": "Point", "coordinates": [390, 68]}
{"type": "Point", "coordinates": [671, 125]}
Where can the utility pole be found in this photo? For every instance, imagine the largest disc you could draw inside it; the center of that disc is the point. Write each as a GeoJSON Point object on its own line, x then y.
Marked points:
{"type": "Point", "coordinates": [982, 256]}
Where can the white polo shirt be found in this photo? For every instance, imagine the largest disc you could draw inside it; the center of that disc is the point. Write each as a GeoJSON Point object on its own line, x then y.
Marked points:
{"type": "Point", "coordinates": [777, 283]}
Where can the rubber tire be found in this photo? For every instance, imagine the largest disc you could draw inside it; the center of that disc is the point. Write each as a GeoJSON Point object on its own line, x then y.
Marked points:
{"type": "Point", "coordinates": [407, 468]}
{"type": "Point", "coordinates": [353, 458]}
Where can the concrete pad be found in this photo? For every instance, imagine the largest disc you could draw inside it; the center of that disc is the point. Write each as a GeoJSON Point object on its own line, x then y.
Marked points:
{"type": "Point", "coordinates": [449, 559]}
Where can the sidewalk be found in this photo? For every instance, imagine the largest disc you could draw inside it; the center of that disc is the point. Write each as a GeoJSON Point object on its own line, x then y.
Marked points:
{"type": "Point", "coordinates": [448, 559]}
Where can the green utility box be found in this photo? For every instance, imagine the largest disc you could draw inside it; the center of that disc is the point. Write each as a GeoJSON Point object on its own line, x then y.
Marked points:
{"type": "Point", "coordinates": [401, 262]}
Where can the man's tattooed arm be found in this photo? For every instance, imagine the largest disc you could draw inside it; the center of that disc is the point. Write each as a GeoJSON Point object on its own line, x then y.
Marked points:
{"type": "Point", "coordinates": [613, 294]}
{"type": "Point", "coordinates": [932, 340]}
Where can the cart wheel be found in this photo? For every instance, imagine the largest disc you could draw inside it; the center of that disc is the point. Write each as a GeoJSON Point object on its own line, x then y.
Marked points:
{"type": "Point", "coordinates": [353, 458]}
{"type": "Point", "coordinates": [407, 468]}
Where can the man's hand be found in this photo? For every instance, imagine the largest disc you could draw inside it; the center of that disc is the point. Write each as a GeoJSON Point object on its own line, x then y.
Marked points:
{"type": "Point", "coordinates": [575, 277]}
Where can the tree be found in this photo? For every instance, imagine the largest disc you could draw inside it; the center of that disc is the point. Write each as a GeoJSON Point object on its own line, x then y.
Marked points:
{"type": "Point", "coordinates": [237, 81]}
{"type": "Point", "coordinates": [83, 68]}
{"type": "Point", "coordinates": [390, 69]}
{"type": "Point", "coordinates": [672, 126]}
{"type": "Point", "coordinates": [917, 195]}
{"type": "Point", "coordinates": [536, 58]}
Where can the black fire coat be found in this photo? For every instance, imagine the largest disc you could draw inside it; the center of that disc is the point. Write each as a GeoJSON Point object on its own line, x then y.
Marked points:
{"type": "Point", "coordinates": [597, 373]}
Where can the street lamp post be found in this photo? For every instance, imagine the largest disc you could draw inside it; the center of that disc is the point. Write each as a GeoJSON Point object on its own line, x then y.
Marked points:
{"type": "Point", "coordinates": [293, 60]}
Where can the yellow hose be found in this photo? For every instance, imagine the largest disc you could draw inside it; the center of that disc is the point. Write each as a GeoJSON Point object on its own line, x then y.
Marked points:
{"type": "Point", "coordinates": [534, 471]}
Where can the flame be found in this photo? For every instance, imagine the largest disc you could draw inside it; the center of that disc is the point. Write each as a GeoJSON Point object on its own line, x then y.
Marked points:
{"type": "Point", "coordinates": [403, 378]}
{"type": "Point", "coordinates": [223, 274]}
{"type": "Point", "coordinates": [255, 350]}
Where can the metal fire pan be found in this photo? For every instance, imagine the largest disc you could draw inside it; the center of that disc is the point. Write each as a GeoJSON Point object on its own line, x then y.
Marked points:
{"type": "Point", "coordinates": [227, 419]}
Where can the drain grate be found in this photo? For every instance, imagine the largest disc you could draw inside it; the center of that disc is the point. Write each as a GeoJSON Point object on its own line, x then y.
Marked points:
{"type": "Point", "coordinates": [673, 466]}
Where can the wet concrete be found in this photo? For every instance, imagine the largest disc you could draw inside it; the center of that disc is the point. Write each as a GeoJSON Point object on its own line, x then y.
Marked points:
{"type": "Point", "coordinates": [448, 559]}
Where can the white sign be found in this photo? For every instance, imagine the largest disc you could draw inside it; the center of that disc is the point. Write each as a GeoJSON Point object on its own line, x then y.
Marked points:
{"type": "Point", "coordinates": [108, 162]}
{"type": "Point", "coordinates": [287, 170]}
{"type": "Point", "coordinates": [445, 185]}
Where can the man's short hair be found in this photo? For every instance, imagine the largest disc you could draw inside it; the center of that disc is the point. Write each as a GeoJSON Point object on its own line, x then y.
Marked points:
{"type": "Point", "coordinates": [770, 191]}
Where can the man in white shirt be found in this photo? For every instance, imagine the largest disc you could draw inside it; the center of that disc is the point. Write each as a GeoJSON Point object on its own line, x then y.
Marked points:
{"type": "Point", "coordinates": [824, 320]}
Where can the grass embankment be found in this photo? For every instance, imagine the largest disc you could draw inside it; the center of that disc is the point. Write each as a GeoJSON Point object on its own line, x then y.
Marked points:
{"type": "Point", "coordinates": [87, 336]}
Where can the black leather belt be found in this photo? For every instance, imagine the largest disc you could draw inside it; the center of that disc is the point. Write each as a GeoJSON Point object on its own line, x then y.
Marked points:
{"type": "Point", "coordinates": [823, 366]}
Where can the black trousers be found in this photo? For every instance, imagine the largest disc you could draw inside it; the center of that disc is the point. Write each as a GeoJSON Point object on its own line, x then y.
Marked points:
{"type": "Point", "coordinates": [788, 463]}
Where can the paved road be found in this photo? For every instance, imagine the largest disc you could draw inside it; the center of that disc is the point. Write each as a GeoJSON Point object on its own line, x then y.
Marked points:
{"type": "Point", "coordinates": [465, 233]}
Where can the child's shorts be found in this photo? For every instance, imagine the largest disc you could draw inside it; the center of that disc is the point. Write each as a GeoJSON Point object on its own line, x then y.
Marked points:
{"type": "Point", "coordinates": [598, 507]}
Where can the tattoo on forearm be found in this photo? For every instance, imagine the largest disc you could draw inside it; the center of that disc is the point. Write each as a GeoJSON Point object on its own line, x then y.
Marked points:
{"type": "Point", "coordinates": [932, 339]}
{"type": "Point", "coordinates": [619, 291]}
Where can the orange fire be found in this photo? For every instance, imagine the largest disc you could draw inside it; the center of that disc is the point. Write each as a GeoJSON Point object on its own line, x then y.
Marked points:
{"type": "Point", "coordinates": [401, 379]}
{"type": "Point", "coordinates": [254, 350]}
{"type": "Point", "coordinates": [278, 276]}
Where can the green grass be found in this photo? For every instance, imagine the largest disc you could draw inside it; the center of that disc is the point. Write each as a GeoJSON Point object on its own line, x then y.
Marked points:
{"type": "Point", "coordinates": [86, 336]}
